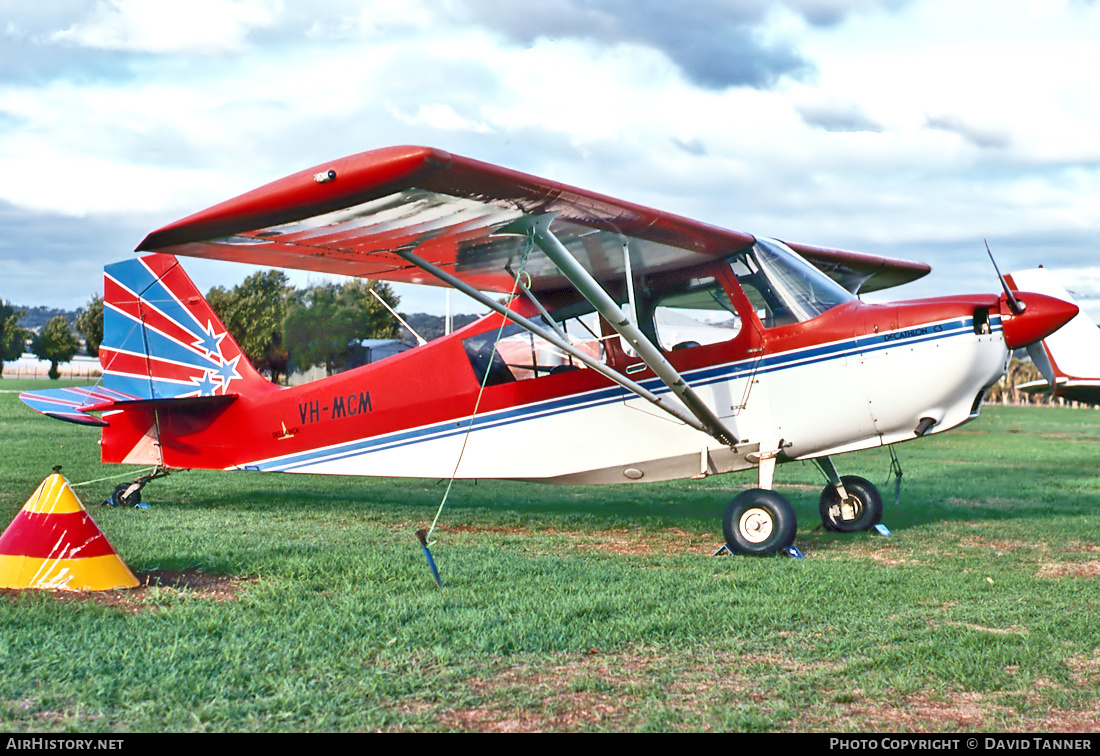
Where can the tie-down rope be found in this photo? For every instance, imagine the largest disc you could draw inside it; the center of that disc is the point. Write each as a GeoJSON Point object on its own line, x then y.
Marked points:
{"type": "Point", "coordinates": [521, 274]}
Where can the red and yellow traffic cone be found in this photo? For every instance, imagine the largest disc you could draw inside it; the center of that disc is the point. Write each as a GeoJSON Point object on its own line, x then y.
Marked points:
{"type": "Point", "coordinates": [53, 544]}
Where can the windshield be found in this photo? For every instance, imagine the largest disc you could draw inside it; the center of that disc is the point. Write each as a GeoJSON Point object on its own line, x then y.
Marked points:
{"type": "Point", "coordinates": [783, 287]}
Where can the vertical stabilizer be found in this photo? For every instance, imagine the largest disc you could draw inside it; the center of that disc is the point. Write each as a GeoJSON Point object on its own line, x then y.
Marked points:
{"type": "Point", "coordinates": [162, 340]}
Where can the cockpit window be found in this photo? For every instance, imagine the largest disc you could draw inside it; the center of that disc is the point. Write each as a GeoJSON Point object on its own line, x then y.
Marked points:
{"type": "Point", "coordinates": [675, 311]}
{"type": "Point", "coordinates": [782, 286]}
{"type": "Point", "coordinates": [519, 355]}
{"type": "Point", "coordinates": [702, 314]}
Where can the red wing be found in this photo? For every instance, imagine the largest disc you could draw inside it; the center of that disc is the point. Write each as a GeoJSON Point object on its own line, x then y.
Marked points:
{"type": "Point", "coordinates": [349, 215]}
{"type": "Point", "coordinates": [858, 272]}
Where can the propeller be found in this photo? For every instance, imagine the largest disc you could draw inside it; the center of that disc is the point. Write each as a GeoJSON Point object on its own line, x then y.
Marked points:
{"type": "Point", "coordinates": [1039, 358]}
{"type": "Point", "coordinates": [1014, 304]}
{"type": "Point", "coordinates": [1035, 351]}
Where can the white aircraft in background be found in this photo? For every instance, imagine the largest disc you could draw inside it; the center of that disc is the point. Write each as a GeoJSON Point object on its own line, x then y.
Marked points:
{"type": "Point", "coordinates": [1069, 358]}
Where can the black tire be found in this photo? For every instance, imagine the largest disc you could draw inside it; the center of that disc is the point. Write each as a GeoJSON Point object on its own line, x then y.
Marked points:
{"type": "Point", "coordinates": [120, 499]}
{"type": "Point", "coordinates": [866, 501]}
{"type": "Point", "coordinates": [759, 523]}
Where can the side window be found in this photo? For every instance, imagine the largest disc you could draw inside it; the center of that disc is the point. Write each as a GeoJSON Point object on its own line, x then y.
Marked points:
{"type": "Point", "coordinates": [703, 314]}
{"type": "Point", "coordinates": [519, 355]}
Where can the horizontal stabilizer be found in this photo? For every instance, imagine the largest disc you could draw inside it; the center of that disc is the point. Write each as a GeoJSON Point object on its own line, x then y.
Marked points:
{"type": "Point", "coordinates": [194, 404]}
{"type": "Point", "coordinates": [74, 404]}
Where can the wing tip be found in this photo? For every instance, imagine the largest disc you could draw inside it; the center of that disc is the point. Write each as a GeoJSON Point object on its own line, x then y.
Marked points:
{"type": "Point", "coordinates": [860, 272]}
{"type": "Point", "coordinates": [300, 194]}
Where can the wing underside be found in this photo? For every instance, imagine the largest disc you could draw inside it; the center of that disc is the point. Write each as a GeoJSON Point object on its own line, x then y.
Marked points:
{"type": "Point", "coordinates": [350, 216]}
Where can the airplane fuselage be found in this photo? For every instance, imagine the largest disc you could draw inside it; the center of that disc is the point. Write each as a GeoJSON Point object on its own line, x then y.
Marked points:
{"type": "Point", "coordinates": [858, 376]}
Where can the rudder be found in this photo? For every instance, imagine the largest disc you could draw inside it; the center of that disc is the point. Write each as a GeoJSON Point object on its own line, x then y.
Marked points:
{"type": "Point", "coordinates": [162, 340]}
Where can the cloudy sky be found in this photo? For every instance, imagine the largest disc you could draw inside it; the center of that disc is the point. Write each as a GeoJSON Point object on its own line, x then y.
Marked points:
{"type": "Point", "coordinates": [909, 128]}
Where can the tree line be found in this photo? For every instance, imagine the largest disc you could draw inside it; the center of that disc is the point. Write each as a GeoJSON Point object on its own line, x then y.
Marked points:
{"type": "Point", "coordinates": [278, 327]}
{"type": "Point", "coordinates": [56, 341]}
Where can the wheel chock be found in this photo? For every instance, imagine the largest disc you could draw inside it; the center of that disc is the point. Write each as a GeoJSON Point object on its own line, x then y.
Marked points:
{"type": "Point", "coordinates": [791, 551]}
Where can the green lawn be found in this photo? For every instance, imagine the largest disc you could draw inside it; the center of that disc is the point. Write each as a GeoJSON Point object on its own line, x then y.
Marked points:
{"type": "Point", "coordinates": [300, 603]}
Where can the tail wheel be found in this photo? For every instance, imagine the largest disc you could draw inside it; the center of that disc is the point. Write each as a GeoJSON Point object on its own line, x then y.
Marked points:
{"type": "Point", "coordinates": [865, 501]}
{"type": "Point", "coordinates": [122, 496]}
{"type": "Point", "coordinates": [759, 522]}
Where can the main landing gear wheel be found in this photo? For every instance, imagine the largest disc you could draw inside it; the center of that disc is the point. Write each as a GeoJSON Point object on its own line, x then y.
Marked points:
{"type": "Point", "coordinates": [866, 506]}
{"type": "Point", "coordinates": [759, 522]}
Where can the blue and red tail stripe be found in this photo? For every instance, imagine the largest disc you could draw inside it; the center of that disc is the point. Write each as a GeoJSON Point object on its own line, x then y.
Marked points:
{"type": "Point", "coordinates": [161, 339]}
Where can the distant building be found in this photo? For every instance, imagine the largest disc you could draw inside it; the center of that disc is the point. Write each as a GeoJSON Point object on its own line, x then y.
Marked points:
{"type": "Point", "coordinates": [367, 351]}
{"type": "Point", "coordinates": [362, 352]}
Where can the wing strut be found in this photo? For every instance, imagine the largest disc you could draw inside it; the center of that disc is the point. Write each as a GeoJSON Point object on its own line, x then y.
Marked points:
{"type": "Point", "coordinates": [539, 229]}
{"type": "Point", "coordinates": [553, 338]}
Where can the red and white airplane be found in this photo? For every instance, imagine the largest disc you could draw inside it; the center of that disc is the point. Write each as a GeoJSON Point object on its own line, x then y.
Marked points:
{"type": "Point", "coordinates": [637, 346]}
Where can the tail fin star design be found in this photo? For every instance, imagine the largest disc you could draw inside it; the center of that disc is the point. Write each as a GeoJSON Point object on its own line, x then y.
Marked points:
{"type": "Point", "coordinates": [210, 341]}
{"type": "Point", "coordinates": [161, 338]}
{"type": "Point", "coordinates": [169, 366]}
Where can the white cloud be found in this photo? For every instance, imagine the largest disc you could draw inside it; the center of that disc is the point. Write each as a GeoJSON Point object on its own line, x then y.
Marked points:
{"type": "Point", "coordinates": [925, 127]}
{"type": "Point", "coordinates": [443, 117]}
{"type": "Point", "coordinates": [198, 26]}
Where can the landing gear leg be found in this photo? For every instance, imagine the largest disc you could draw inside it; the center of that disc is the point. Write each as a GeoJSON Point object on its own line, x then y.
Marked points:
{"type": "Point", "coordinates": [848, 504]}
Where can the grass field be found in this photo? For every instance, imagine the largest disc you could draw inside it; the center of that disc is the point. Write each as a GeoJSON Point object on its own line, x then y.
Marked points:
{"type": "Point", "coordinates": [299, 603]}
